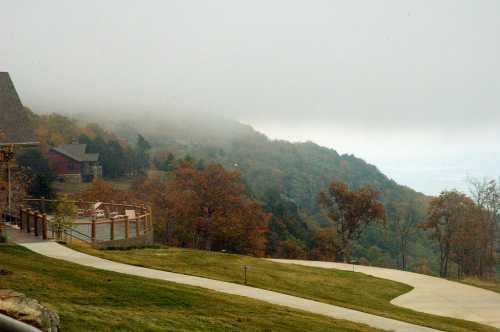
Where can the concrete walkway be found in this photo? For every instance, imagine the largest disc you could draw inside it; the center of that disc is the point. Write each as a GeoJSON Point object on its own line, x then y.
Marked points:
{"type": "Point", "coordinates": [430, 294]}
{"type": "Point", "coordinates": [57, 251]}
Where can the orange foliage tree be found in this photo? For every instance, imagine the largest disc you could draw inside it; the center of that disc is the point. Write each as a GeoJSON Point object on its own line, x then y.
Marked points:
{"type": "Point", "coordinates": [103, 191]}
{"type": "Point", "coordinates": [350, 212]}
{"type": "Point", "coordinates": [464, 232]}
{"type": "Point", "coordinates": [324, 244]}
{"type": "Point", "coordinates": [291, 249]}
{"type": "Point", "coordinates": [208, 209]}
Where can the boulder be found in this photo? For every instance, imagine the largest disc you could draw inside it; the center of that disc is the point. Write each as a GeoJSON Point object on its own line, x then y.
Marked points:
{"type": "Point", "coordinates": [30, 311]}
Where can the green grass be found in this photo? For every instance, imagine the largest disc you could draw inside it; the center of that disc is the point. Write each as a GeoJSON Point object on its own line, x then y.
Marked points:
{"type": "Point", "coordinates": [344, 288]}
{"type": "Point", "coordinates": [486, 284]}
{"type": "Point", "coordinates": [94, 300]}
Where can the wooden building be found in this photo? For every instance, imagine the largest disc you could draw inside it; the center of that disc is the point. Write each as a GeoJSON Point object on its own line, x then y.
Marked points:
{"type": "Point", "coordinates": [72, 163]}
{"type": "Point", "coordinates": [16, 132]}
{"type": "Point", "coordinates": [15, 125]}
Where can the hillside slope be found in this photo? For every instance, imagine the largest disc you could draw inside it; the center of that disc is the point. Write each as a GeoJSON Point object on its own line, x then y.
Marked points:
{"type": "Point", "coordinates": [299, 170]}
{"type": "Point", "coordinates": [292, 173]}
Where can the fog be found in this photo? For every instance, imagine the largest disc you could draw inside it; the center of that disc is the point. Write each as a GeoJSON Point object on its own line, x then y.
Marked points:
{"type": "Point", "coordinates": [410, 86]}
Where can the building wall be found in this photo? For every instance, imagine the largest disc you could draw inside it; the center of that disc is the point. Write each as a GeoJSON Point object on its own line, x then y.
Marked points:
{"type": "Point", "coordinates": [63, 165]}
{"type": "Point", "coordinates": [18, 187]}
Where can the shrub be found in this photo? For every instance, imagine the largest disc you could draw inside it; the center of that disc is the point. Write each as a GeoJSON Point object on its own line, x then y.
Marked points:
{"type": "Point", "coordinates": [3, 238]}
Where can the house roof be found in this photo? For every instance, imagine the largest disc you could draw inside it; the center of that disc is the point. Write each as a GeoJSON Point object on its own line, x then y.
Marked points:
{"type": "Point", "coordinates": [15, 124]}
{"type": "Point", "coordinates": [76, 152]}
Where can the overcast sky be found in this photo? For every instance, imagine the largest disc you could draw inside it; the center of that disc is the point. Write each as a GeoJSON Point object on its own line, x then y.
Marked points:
{"type": "Point", "coordinates": [410, 86]}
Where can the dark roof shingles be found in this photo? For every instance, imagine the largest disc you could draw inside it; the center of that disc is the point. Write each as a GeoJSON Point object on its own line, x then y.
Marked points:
{"type": "Point", "coordinates": [76, 152]}
{"type": "Point", "coordinates": [15, 126]}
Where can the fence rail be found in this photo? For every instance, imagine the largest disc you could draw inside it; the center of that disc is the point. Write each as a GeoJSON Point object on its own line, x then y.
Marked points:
{"type": "Point", "coordinates": [96, 221]}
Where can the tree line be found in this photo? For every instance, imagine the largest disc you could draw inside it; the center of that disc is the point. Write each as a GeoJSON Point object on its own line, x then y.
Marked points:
{"type": "Point", "coordinates": [466, 229]}
{"type": "Point", "coordinates": [206, 205]}
{"type": "Point", "coordinates": [117, 157]}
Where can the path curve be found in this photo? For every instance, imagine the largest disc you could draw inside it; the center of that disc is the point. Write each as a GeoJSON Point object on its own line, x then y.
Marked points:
{"type": "Point", "coordinates": [57, 251]}
{"type": "Point", "coordinates": [431, 295]}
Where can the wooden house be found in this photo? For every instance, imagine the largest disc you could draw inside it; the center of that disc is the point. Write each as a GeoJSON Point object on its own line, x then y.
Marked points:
{"type": "Point", "coordinates": [72, 163]}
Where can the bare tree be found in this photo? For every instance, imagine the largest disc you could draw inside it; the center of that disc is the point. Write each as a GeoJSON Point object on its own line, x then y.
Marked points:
{"type": "Point", "coordinates": [405, 221]}
{"type": "Point", "coordinates": [486, 194]}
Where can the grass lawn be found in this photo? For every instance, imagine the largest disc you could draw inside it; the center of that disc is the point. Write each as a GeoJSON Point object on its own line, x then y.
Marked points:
{"type": "Point", "coordinates": [67, 187]}
{"type": "Point", "coordinates": [486, 284]}
{"type": "Point", "coordinates": [93, 300]}
{"type": "Point", "coordinates": [344, 288]}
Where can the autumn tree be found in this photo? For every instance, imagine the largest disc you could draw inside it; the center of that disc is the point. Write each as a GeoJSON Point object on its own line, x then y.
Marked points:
{"type": "Point", "coordinates": [486, 195]}
{"type": "Point", "coordinates": [324, 245]}
{"type": "Point", "coordinates": [66, 212]}
{"type": "Point", "coordinates": [350, 211]}
{"type": "Point", "coordinates": [464, 232]}
{"type": "Point", "coordinates": [210, 209]}
{"type": "Point", "coordinates": [471, 247]}
{"type": "Point", "coordinates": [291, 249]}
{"type": "Point", "coordinates": [445, 214]}
{"type": "Point", "coordinates": [102, 191]}
{"type": "Point", "coordinates": [404, 218]}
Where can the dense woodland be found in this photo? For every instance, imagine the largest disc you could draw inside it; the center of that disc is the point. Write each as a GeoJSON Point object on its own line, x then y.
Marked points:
{"type": "Point", "coordinates": [216, 184]}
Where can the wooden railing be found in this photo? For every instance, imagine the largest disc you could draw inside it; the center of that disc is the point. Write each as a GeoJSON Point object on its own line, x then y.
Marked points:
{"type": "Point", "coordinates": [35, 217]}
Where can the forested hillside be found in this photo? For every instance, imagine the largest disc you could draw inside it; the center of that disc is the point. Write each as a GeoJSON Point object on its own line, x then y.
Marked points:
{"type": "Point", "coordinates": [287, 178]}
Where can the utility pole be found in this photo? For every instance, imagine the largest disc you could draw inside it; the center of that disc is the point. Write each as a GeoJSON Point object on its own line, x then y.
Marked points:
{"type": "Point", "coordinates": [9, 190]}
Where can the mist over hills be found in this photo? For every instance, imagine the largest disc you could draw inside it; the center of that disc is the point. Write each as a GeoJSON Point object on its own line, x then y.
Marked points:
{"type": "Point", "coordinates": [298, 170]}
{"type": "Point", "coordinates": [285, 177]}
{"type": "Point", "coordinates": [293, 173]}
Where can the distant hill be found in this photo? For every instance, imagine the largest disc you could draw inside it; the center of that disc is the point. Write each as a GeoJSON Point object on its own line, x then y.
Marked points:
{"type": "Point", "coordinates": [286, 177]}
{"type": "Point", "coordinates": [299, 170]}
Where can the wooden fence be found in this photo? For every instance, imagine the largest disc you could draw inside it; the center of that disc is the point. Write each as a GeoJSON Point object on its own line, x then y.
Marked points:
{"type": "Point", "coordinates": [35, 217]}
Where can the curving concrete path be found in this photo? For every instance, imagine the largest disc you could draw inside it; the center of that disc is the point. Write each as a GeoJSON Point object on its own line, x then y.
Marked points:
{"type": "Point", "coordinates": [430, 294]}
{"type": "Point", "coordinates": [57, 251]}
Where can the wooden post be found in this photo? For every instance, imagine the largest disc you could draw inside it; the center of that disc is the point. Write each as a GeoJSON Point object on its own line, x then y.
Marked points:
{"type": "Point", "coordinates": [92, 231]}
{"type": "Point", "coordinates": [35, 221]}
{"type": "Point", "coordinates": [112, 230]}
{"type": "Point", "coordinates": [42, 205]}
{"type": "Point", "coordinates": [126, 228]}
{"type": "Point", "coordinates": [106, 210]}
{"type": "Point", "coordinates": [150, 219]}
{"type": "Point", "coordinates": [137, 230]}
{"type": "Point", "coordinates": [21, 216]}
{"type": "Point", "coordinates": [44, 227]}
{"type": "Point", "coordinates": [28, 217]}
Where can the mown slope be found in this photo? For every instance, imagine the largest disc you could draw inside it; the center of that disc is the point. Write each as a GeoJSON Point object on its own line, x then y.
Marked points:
{"type": "Point", "coordinates": [93, 300]}
{"type": "Point", "coordinates": [353, 290]}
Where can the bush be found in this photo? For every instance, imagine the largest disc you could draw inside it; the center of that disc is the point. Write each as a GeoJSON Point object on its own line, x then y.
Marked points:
{"type": "Point", "coordinates": [3, 238]}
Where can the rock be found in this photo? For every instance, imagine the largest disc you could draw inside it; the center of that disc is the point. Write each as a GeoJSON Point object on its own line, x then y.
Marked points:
{"type": "Point", "coordinates": [30, 311]}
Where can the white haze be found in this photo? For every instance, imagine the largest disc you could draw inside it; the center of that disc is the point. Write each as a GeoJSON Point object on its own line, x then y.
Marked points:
{"type": "Point", "coordinates": [410, 86]}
